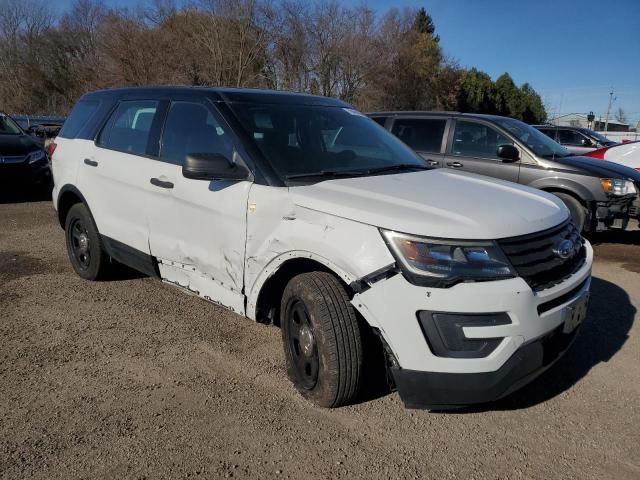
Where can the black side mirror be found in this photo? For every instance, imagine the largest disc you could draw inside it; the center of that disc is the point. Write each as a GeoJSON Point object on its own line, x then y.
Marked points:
{"type": "Point", "coordinates": [586, 142]}
{"type": "Point", "coordinates": [508, 153]}
{"type": "Point", "coordinates": [212, 166]}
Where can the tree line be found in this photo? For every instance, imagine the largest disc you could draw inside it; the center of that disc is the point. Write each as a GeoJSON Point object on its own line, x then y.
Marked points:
{"type": "Point", "coordinates": [392, 61]}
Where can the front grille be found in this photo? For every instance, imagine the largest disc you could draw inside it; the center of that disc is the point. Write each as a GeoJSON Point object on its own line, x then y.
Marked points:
{"type": "Point", "coordinates": [535, 261]}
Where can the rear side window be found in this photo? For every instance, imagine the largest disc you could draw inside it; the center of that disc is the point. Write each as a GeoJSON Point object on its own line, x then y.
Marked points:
{"type": "Point", "coordinates": [549, 132]}
{"type": "Point", "coordinates": [191, 128]}
{"type": "Point", "coordinates": [423, 135]}
{"type": "Point", "coordinates": [569, 137]}
{"type": "Point", "coordinates": [129, 126]}
{"type": "Point", "coordinates": [78, 118]}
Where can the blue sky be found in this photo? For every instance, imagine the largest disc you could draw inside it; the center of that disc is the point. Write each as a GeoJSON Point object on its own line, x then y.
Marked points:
{"type": "Point", "coordinates": [572, 51]}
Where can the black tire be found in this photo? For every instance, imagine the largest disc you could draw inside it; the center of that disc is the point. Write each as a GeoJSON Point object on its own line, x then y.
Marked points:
{"type": "Point", "coordinates": [577, 210]}
{"type": "Point", "coordinates": [84, 247]}
{"type": "Point", "coordinates": [325, 363]}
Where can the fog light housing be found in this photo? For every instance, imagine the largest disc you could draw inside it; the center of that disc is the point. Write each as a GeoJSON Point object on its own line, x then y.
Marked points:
{"type": "Point", "coordinates": [445, 335]}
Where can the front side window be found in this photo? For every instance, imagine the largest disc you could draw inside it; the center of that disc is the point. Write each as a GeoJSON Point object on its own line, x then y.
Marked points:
{"type": "Point", "coordinates": [477, 140]}
{"type": "Point", "coordinates": [379, 120]}
{"type": "Point", "coordinates": [129, 127]}
{"type": "Point", "coordinates": [191, 128]}
{"type": "Point", "coordinates": [423, 135]}
{"type": "Point", "coordinates": [312, 140]}
{"type": "Point", "coordinates": [535, 140]}
{"type": "Point", "coordinates": [570, 137]}
{"type": "Point", "coordinates": [8, 126]}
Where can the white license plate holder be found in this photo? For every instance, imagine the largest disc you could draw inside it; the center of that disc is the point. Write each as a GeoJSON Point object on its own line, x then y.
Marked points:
{"type": "Point", "coordinates": [576, 313]}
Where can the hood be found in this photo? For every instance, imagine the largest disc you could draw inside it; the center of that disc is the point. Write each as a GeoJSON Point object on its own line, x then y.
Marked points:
{"type": "Point", "coordinates": [599, 168]}
{"type": "Point", "coordinates": [436, 203]}
{"type": "Point", "coordinates": [16, 145]}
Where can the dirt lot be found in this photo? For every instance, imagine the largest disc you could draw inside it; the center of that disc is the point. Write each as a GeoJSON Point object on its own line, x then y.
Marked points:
{"type": "Point", "coordinates": [131, 378]}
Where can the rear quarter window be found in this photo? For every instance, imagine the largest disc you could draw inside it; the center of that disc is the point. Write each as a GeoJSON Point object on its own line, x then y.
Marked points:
{"type": "Point", "coordinates": [78, 118]}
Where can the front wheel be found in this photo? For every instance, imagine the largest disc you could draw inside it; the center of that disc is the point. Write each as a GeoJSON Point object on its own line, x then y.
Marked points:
{"type": "Point", "coordinates": [577, 211]}
{"type": "Point", "coordinates": [322, 341]}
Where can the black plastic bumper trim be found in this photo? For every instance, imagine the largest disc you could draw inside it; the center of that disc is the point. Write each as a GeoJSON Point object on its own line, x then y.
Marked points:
{"type": "Point", "coordinates": [443, 391]}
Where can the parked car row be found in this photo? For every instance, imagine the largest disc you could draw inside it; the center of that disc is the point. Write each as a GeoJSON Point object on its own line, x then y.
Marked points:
{"type": "Point", "coordinates": [298, 210]}
{"type": "Point", "coordinates": [599, 195]}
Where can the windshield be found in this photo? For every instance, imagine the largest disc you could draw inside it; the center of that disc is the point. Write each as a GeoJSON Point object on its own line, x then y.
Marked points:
{"type": "Point", "coordinates": [533, 138]}
{"type": "Point", "coordinates": [304, 140]}
{"type": "Point", "coordinates": [8, 126]}
{"type": "Point", "coordinates": [598, 136]}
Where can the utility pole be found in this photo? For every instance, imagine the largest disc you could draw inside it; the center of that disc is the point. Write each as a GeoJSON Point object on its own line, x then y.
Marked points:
{"type": "Point", "coordinates": [606, 121]}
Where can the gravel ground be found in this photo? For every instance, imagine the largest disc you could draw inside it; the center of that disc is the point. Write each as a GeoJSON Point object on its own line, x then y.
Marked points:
{"type": "Point", "coordinates": [131, 378]}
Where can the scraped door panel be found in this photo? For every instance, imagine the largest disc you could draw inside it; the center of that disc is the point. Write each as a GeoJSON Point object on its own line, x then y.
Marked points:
{"type": "Point", "coordinates": [197, 227]}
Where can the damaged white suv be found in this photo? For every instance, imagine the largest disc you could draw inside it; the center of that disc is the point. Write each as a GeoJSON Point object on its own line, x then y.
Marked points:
{"type": "Point", "coordinates": [300, 211]}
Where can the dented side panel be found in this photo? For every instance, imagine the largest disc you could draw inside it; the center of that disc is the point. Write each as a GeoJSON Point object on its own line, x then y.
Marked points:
{"type": "Point", "coordinates": [197, 233]}
{"type": "Point", "coordinates": [278, 230]}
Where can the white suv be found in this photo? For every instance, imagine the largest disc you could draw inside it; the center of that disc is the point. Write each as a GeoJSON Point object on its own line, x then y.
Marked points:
{"type": "Point", "coordinates": [300, 211]}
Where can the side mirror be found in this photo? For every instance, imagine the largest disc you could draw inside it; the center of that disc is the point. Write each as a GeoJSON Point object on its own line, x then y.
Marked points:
{"type": "Point", "coordinates": [586, 142]}
{"type": "Point", "coordinates": [212, 166]}
{"type": "Point", "coordinates": [508, 153]}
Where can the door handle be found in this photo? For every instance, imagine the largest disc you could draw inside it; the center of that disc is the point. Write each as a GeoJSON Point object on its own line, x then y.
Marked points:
{"type": "Point", "coordinates": [91, 163]}
{"type": "Point", "coordinates": [432, 163]}
{"type": "Point", "coordinates": [161, 183]}
{"type": "Point", "coordinates": [455, 164]}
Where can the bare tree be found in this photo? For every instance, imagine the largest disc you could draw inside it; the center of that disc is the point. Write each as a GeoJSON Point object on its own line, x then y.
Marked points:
{"type": "Point", "coordinates": [320, 46]}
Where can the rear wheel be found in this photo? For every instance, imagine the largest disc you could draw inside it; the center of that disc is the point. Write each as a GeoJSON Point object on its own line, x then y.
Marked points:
{"type": "Point", "coordinates": [322, 341]}
{"type": "Point", "coordinates": [83, 244]}
{"type": "Point", "coordinates": [576, 209]}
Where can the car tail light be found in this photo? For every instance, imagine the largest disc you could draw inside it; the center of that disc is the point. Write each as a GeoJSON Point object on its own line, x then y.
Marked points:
{"type": "Point", "coordinates": [597, 153]}
{"type": "Point", "coordinates": [51, 148]}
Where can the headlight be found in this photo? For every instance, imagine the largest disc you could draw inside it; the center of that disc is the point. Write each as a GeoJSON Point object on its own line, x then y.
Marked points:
{"type": "Point", "coordinates": [442, 263]}
{"type": "Point", "coordinates": [35, 156]}
{"type": "Point", "coordinates": [617, 186]}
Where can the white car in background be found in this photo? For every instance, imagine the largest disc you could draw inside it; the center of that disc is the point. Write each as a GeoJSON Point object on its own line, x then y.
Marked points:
{"type": "Point", "coordinates": [627, 154]}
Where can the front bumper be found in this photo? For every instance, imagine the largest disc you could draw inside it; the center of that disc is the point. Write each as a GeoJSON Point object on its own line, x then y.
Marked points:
{"type": "Point", "coordinates": [442, 391]}
{"type": "Point", "coordinates": [634, 210]}
{"type": "Point", "coordinates": [429, 381]}
{"type": "Point", "coordinates": [25, 173]}
{"type": "Point", "coordinates": [616, 212]}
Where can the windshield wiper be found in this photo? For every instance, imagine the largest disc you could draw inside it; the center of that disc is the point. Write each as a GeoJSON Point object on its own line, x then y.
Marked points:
{"type": "Point", "coordinates": [399, 166]}
{"type": "Point", "coordinates": [329, 173]}
{"type": "Point", "coordinates": [358, 172]}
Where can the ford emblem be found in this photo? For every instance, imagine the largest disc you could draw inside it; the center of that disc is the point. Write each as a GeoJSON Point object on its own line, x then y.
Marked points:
{"type": "Point", "coordinates": [564, 249]}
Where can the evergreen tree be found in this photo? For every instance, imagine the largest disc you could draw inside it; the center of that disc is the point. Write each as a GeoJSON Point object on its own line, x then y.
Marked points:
{"type": "Point", "coordinates": [424, 24]}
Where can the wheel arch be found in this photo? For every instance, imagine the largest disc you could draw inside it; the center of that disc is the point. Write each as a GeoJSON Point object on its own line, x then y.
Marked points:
{"type": "Point", "coordinates": [263, 301]}
{"type": "Point", "coordinates": [581, 192]}
{"type": "Point", "coordinates": [567, 191]}
{"type": "Point", "coordinates": [68, 196]}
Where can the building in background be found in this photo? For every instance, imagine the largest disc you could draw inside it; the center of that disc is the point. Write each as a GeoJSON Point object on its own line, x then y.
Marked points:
{"type": "Point", "coordinates": [580, 120]}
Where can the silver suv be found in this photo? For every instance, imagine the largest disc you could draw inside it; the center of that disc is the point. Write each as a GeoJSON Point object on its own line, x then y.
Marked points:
{"type": "Point", "coordinates": [599, 194]}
